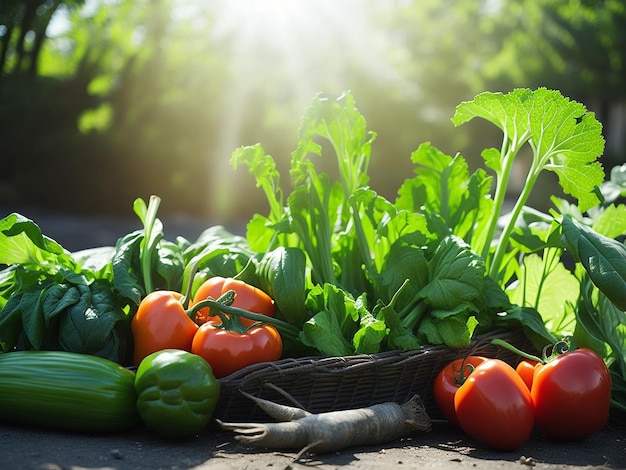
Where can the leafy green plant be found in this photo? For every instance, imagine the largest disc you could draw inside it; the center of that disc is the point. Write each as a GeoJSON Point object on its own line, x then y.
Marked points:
{"type": "Point", "coordinates": [354, 271]}
{"type": "Point", "coordinates": [83, 302]}
{"type": "Point", "coordinates": [408, 264]}
{"type": "Point", "coordinates": [443, 260]}
{"type": "Point", "coordinates": [52, 299]}
{"type": "Point", "coordinates": [563, 137]}
{"type": "Point", "coordinates": [587, 301]}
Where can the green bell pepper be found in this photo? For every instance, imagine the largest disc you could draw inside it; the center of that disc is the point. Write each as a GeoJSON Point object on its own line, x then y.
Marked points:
{"type": "Point", "coordinates": [176, 392]}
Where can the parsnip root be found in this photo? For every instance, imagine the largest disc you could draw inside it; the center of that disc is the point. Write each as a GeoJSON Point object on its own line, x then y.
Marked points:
{"type": "Point", "coordinates": [331, 431]}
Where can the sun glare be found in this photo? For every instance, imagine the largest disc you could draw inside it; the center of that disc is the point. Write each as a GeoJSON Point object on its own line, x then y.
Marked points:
{"type": "Point", "coordinates": [295, 49]}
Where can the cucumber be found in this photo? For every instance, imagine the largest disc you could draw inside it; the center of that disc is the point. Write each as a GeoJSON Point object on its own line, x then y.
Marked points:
{"type": "Point", "coordinates": [65, 390]}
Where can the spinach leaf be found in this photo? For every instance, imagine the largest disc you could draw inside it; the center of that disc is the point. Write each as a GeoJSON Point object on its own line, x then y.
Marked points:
{"type": "Point", "coordinates": [603, 258]}
{"type": "Point", "coordinates": [454, 331]}
{"type": "Point", "coordinates": [330, 330]}
{"type": "Point", "coordinates": [11, 322]}
{"type": "Point", "coordinates": [371, 333]}
{"type": "Point", "coordinates": [21, 242]}
{"type": "Point", "coordinates": [601, 327]}
{"type": "Point", "coordinates": [55, 300]}
{"type": "Point", "coordinates": [342, 325]}
{"type": "Point", "coordinates": [96, 324]}
{"type": "Point", "coordinates": [263, 167]}
{"type": "Point", "coordinates": [610, 221]}
{"type": "Point", "coordinates": [457, 275]}
{"type": "Point", "coordinates": [126, 267]}
{"type": "Point", "coordinates": [399, 336]}
{"type": "Point", "coordinates": [282, 274]}
{"type": "Point", "coordinates": [216, 252]}
{"type": "Point", "coordinates": [615, 187]}
{"type": "Point", "coordinates": [404, 273]}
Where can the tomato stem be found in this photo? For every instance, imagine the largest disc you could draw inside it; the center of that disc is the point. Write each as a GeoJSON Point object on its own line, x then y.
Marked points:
{"type": "Point", "coordinates": [232, 323]}
{"type": "Point", "coordinates": [510, 347]}
{"type": "Point", "coordinates": [226, 299]}
{"type": "Point", "coordinates": [284, 328]}
{"type": "Point", "coordinates": [460, 380]}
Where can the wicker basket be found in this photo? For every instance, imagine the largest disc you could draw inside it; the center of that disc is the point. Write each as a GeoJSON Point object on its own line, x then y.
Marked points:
{"type": "Point", "coordinates": [322, 384]}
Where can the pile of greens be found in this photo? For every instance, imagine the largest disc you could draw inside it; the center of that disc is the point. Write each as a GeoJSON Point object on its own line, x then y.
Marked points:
{"type": "Point", "coordinates": [52, 299]}
{"type": "Point", "coordinates": [442, 261]}
{"type": "Point", "coordinates": [356, 272]}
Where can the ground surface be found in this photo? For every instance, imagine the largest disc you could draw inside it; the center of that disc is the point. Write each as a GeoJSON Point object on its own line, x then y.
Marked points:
{"type": "Point", "coordinates": [442, 448]}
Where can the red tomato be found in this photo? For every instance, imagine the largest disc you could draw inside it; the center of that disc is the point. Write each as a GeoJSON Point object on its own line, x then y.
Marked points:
{"type": "Point", "coordinates": [572, 395]}
{"type": "Point", "coordinates": [161, 322]}
{"type": "Point", "coordinates": [228, 351]}
{"type": "Point", "coordinates": [448, 381]}
{"type": "Point", "coordinates": [494, 406]}
{"type": "Point", "coordinates": [247, 297]}
{"type": "Point", "coordinates": [526, 370]}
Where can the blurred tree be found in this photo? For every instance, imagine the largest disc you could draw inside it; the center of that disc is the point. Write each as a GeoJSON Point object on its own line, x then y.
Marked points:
{"type": "Point", "coordinates": [24, 25]}
{"type": "Point", "coordinates": [576, 46]}
{"type": "Point", "coordinates": [105, 101]}
{"type": "Point", "coordinates": [48, 81]}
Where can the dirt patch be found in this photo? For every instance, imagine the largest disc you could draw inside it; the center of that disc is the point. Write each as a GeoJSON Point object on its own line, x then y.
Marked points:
{"type": "Point", "coordinates": [442, 448]}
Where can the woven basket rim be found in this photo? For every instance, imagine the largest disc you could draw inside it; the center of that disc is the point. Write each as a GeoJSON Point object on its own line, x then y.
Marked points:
{"type": "Point", "coordinates": [326, 383]}
{"type": "Point", "coordinates": [342, 364]}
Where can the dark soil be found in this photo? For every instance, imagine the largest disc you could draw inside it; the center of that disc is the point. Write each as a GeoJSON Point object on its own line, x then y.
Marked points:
{"type": "Point", "coordinates": [442, 448]}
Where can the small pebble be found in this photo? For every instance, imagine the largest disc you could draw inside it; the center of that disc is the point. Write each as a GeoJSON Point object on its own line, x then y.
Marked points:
{"type": "Point", "coordinates": [529, 461]}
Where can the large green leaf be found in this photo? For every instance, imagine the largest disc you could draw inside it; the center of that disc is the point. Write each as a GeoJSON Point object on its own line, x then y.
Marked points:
{"type": "Point", "coordinates": [457, 275]}
{"type": "Point", "coordinates": [282, 274]}
{"type": "Point", "coordinates": [21, 242]}
{"type": "Point", "coordinates": [546, 285]}
{"type": "Point", "coordinates": [603, 258]}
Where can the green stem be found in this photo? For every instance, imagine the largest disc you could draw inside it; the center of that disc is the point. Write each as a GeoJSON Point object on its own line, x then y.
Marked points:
{"type": "Point", "coordinates": [284, 328]}
{"type": "Point", "coordinates": [500, 194]}
{"type": "Point", "coordinates": [226, 299]}
{"type": "Point", "coordinates": [350, 171]}
{"type": "Point", "coordinates": [149, 244]}
{"type": "Point", "coordinates": [503, 242]}
{"type": "Point", "coordinates": [325, 241]}
{"type": "Point", "coordinates": [233, 323]}
{"type": "Point", "coordinates": [316, 228]}
{"type": "Point", "coordinates": [618, 405]}
{"type": "Point", "coordinates": [366, 257]}
{"type": "Point", "coordinates": [414, 317]}
{"type": "Point", "coordinates": [510, 347]}
{"type": "Point", "coordinates": [551, 258]}
{"type": "Point", "coordinates": [188, 276]}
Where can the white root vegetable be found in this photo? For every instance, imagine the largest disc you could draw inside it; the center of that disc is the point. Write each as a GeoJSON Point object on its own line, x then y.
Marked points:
{"type": "Point", "coordinates": [331, 431]}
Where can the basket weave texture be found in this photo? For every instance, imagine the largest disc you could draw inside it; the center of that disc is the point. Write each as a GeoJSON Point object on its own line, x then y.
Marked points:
{"type": "Point", "coordinates": [323, 384]}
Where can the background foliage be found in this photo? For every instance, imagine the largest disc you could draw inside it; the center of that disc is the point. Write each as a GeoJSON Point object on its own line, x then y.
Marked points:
{"type": "Point", "coordinates": [104, 101]}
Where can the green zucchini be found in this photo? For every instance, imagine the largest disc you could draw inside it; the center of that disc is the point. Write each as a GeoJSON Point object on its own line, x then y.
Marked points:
{"type": "Point", "coordinates": [65, 390]}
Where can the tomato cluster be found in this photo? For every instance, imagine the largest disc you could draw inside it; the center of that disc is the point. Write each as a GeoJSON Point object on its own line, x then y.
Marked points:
{"type": "Point", "coordinates": [566, 397]}
{"type": "Point", "coordinates": [226, 342]}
